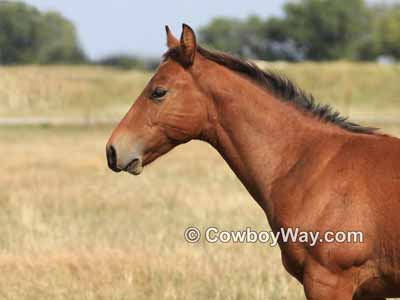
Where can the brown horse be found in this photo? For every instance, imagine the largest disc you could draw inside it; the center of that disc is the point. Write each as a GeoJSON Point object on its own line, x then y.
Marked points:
{"type": "Point", "coordinates": [305, 165]}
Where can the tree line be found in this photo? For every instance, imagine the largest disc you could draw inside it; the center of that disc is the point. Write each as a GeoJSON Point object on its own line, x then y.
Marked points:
{"type": "Point", "coordinates": [312, 30]}
{"type": "Point", "coordinates": [28, 36]}
{"type": "Point", "coordinates": [308, 30]}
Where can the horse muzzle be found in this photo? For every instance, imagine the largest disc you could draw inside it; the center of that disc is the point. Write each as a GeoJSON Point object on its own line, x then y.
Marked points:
{"type": "Point", "coordinates": [122, 161]}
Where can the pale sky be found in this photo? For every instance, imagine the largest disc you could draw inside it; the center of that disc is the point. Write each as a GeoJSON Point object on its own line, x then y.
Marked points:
{"type": "Point", "coordinates": [137, 27]}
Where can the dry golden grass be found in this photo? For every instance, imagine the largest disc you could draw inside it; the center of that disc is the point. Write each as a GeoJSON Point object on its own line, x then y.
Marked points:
{"type": "Point", "coordinates": [91, 92]}
{"type": "Point", "coordinates": [356, 89]}
{"type": "Point", "coordinates": [72, 229]}
{"type": "Point", "coordinates": [57, 91]}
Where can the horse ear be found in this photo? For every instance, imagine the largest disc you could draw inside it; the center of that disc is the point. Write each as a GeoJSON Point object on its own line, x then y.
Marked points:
{"type": "Point", "coordinates": [188, 44]}
{"type": "Point", "coordinates": [172, 41]}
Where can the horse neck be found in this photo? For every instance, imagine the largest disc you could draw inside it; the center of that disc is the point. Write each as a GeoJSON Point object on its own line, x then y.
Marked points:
{"type": "Point", "coordinates": [262, 138]}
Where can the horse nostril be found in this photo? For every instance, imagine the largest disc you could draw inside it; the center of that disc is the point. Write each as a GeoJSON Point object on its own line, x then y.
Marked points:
{"type": "Point", "coordinates": [112, 158]}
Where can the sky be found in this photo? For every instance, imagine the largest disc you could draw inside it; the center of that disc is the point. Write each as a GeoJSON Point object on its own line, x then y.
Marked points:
{"type": "Point", "coordinates": [108, 27]}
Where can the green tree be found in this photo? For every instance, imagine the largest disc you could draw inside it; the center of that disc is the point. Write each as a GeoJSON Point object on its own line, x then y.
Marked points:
{"type": "Point", "coordinates": [234, 35]}
{"type": "Point", "coordinates": [29, 36]}
{"type": "Point", "coordinates": [309, 29]}
{"type": "Point", "coordinates": [18, 42]}
{"type": "Point", "coordinates": [388, 32]}
{"type": "Point", "coordinates": [122, 61]}
{"type": "Point", "coordinates": [58, 40]}
{"type": "Point", "coordinates": [326, 29]}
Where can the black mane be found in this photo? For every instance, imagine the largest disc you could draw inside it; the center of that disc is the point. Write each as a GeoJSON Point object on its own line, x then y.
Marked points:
{"type": "Point", "coordinates": [280, 86]}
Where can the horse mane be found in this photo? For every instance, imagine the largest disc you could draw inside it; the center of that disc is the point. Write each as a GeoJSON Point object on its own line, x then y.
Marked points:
{"type": "Point", "coordinates": [279, 85]}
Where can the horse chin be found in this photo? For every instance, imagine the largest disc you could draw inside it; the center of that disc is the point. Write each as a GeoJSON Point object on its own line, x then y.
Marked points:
{"type": "Point", "coordinates": [135, 167]}
{"type": "Point", "coordinates": [136, 171]}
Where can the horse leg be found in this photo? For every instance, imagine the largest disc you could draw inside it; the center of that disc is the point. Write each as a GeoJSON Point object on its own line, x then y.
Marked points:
{"type": "Point", "coordinates": [322, 284]}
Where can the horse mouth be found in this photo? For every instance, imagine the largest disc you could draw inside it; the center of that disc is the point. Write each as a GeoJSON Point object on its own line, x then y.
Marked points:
{"type": "Point", "coordinates": [135, 167]}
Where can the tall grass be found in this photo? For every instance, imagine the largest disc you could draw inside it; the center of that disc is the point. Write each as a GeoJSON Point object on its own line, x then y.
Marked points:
{"type": "Point", "coordinates": [72, 229]}
{"type": "Point", "coordinates": [63, 91]}
{"type": "Point", "coordinates": [354, 88]}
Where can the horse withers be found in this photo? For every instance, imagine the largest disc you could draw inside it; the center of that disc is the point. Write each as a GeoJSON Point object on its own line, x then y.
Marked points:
{"type": "Point", "coordinates": [305, 165]}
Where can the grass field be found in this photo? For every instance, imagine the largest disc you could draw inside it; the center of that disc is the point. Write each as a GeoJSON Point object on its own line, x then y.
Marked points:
{"type": "Point", "coordinates": [72, 229]}
{"type": "Point", "coordinates": [93, 92]}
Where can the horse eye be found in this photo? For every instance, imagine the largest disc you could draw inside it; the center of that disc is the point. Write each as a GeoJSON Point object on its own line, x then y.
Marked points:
{"type": "Point", "coordinates": [158, 93]}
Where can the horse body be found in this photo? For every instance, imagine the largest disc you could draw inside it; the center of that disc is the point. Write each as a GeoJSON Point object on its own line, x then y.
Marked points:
{"type": "Point", "coordinates": [318, 179]}
{"type": "Point", "coordinates": [353, 192]}
{"type": "Point", "coordinates": [305, 172]}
